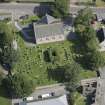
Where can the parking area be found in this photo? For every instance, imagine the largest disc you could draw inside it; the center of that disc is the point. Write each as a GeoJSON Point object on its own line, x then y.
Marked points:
{"type": "Point", "coordinates": [56, 89]}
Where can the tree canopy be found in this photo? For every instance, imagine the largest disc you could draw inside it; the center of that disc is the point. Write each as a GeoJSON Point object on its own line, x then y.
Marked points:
{"type": "Point", "coordinates": [87, 39]}
{"type": "Point", "coordinates": [7, 54]}
{"type": "Point", "coordinates": [18, 85]}
{"type": "Point", "coordinates": [60, 8]}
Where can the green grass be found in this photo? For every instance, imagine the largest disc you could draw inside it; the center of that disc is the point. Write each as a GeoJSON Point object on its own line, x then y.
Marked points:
{"type": "Point", "coordinates": [79, 99]}
{"type": "Point", "coordinates": [32, 64]}
{"type": "Point", "coordinates": [85, 74]}
{"type": "Point", "coordinates": [29, 20]}
{"type": "Point", "coordinates": [3, 97]}
{"type": "Point", "coordinates": [32, 61]}
{"type": "Point", "coordinates": [85, 2]}
{"type": "Point", "coordinates": [100, 3]}
{"type": "Point", "coordinates": [37, 1]}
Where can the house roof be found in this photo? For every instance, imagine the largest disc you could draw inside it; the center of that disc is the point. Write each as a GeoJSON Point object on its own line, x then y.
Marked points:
{"type": "Point", "coordinates": [102, 72]}
{"type": "Point", "coordinates": [47, 19]}
{"type": "Point", "coordinates": [100, 16]}
{"type": "Point", "coordinates": [47, 30]}
{"type": "Point", "coordinates": [53, 101]}
{"type": "Point", "coordinates": [104, 32]}
{"type": "Point", "coordinates": [100, 93]}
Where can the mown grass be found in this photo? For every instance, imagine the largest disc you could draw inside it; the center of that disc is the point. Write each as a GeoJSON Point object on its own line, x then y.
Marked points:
{"type": "Point", "coordinates": [100, 3]}
{"type": "Point", "coordinates": [79, 99]}
{"type": "Point", "coordinates": [85, 74]}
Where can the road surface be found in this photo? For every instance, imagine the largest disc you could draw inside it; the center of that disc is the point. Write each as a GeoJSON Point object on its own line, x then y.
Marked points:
{"type": "Point", "coordinates": [19, 9]}
{"type": "Point", "coordinates": [58, 89]}
{"type": "Point", "coordinates": [74, 9]}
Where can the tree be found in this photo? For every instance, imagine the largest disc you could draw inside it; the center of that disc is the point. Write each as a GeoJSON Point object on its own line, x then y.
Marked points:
{"type": "Point", "coordinates": [72, 76]}
{"type": "Point", "coordinates": [60, 8]}
{"type": "Point", "coordinates": [96, 60]}
{"type": "Point", "coordinates": [84, 30]}
{"type": "Point", "coordinates": [18, 85]}
{"type": "Point", "coordinates": [8, 55]}
{"type": "Point", "coordinates": [71, 72]}
{"type": "Point", "coordinates": [91, 57]}
{"type": "Point", "coordinates": [85, 16]}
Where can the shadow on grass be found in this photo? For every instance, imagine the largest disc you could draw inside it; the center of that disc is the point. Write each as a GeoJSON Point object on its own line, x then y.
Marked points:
{"type": "Point", "coordinates": [3, 93]}
{"type": "Point", "coordinates": [31, 40]}
{"type": "Point", "coordinates": [56, 74]}
{"type": "Point", "coordinates": [79, 54]}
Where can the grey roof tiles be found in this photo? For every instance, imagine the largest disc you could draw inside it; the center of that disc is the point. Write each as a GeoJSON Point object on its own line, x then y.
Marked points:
{"type": "Point", "coordinates": [48, 30]}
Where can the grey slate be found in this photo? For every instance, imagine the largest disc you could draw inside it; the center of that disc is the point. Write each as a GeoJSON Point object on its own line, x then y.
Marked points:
{"type": "Point", "coordinates": [47, 19]}
{"type": "Point", "coordinates": [100, 16]}
{"type": "Point", "coordinates": [46, 30]}
{"type": "Point", "coordinates": [104, 32]}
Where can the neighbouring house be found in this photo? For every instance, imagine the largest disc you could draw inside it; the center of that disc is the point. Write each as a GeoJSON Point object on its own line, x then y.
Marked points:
{"type": "Point", "coordinates": [62, 100]}
{"type": "Point", "coordinates": [100, 90]}
{"type": "Point", "coordinates": [48, 29]}
{"type": "Point", "coordinates": [100, 16]}
{"type": "Point", "coordinates": [102, 43]}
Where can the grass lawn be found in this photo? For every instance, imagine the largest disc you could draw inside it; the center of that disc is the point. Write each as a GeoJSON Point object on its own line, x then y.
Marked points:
{"type": "Point", "coordinates": [37, 1]}
{"type": "Point", "coordinates": [85, 2]}
{"type": "Point", "coordinates": [85, 74]}
{"type": "Point", "coordinates": [3, 99]}
{"type": "Point", "coordinates": [29, 20]}
{"type": "Point", "coordinates": [79, 99]}
{"type": "Point", "coordinates": [100, 3]}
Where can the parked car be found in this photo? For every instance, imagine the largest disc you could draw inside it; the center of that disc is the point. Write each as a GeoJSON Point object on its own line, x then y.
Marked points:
{"type": "Point", "coordinates": [24, 17]}
{"type": "Point", "coordinates": [28, 98]}
{"type": "Point", "coordinates": [46, 95]}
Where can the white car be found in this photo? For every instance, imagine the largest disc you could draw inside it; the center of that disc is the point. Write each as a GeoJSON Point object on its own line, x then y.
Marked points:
{"type": "Point", "coordinates": [46, 95]}
{"type": "Point", "coordinates": [28, 98]}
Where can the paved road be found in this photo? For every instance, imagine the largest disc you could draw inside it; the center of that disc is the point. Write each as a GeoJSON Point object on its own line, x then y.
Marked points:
{"type": "Point", "coordinates": [75, 9]}
{"type": "Point", "coordinates": [59, 89]}
{"type": "Point", "coordinates": [19, 9]}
